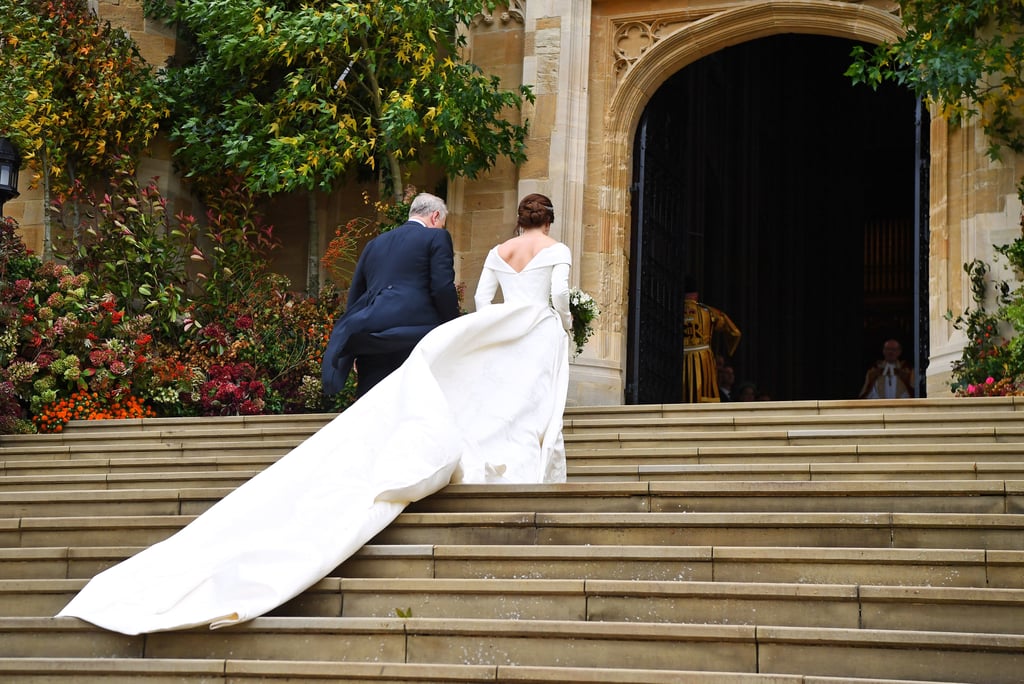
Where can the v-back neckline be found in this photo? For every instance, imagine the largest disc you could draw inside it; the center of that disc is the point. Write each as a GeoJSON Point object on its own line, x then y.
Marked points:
{"type": "Point", "coordinates": [527, 265]}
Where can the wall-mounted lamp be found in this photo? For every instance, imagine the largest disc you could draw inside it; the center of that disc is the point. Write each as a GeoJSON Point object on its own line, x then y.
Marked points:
{"type": "Point", "coordinates": [10, 164]}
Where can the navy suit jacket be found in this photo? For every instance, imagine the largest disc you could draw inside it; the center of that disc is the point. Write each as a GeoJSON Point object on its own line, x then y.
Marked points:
{"type": "Point", "coordinates": [403, 287]}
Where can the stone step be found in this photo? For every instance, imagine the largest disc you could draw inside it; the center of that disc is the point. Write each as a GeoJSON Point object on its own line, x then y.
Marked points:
{"type": "Point", "coordinates": [206, 460]}
{"type": "Point", "coordinates": [238, 446]}
{"type": "Point", "coordinates": [868, 471]}
{"type": "Point", "coordinates": [837, 652]}
{"type": "Point", "coordinates": [235, 671]}
{"type": "Point", "coordinates": [782, 541]}
{"type": "Point", "coordinates": [233, 456]}
{"type": "Point", "coordinates": [950, 451]}
{"type": "Point", "coordinates": [951, 408]}
{"type": "Point", "coordinates": [981, 610]}
{"type": "Point", "coordinates": [125, 428]}
{"type": "Point", "coordinates": [831, 419]}
{"type": "Point", "coordinates": [181, 475]}
{"type": "Point", "coordinates": [89, 444]}
{"type": "Point", "coordinates": [168, 479]}
{"type": "Point", "coordinates": [813, 407]}
{"type": "Point", "coordinates": [938, 405]}
{"type": "Point", "coordinates": [914, 496]}
{"type": "Point", "coordinates": [584, 449]}
{"type": "Point", "coordinates": [873, 530]}
{"type": "Point", "coordinates": [935, 496]}
{"type": "Point", "coordinates": [849, 529]}
{"type": "Point", "coordinates": [661, 439]}
{"type": "Point", "coordinates": [760, 421]}
{"type": "Point", "coordinates": [804, 565]}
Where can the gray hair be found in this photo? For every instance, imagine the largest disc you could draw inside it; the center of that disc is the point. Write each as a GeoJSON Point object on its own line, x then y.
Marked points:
{"type": "Point", "coordinates": [425, 204]}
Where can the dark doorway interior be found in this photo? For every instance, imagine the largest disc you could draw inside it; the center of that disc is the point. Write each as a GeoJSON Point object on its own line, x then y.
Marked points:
{"type": "Point", "coordinates": [789, 195]}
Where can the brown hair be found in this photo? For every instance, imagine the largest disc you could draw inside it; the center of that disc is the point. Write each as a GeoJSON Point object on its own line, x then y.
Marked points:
{"type": "Point", "coordinates": [535, 211]}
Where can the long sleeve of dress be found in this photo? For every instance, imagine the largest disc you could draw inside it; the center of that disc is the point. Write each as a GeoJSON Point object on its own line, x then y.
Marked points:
{"type": "Point", "coordinates": [485, 289]}
{"type": "Point", "coordinates": [560, 293]}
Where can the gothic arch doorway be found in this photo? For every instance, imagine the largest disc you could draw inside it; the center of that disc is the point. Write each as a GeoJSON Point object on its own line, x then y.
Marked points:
{"type": "Point", "coordinates": [791, 196]}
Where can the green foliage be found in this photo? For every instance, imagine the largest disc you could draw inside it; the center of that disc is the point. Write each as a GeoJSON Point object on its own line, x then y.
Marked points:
{"type": "Point", "coordinates": [74, 92]}
{"type": "Point", "coordinates": [987, 354]}
{"type": "Point", "coordinates": [64, 337]}
{"type": "Point", "coordinates": [71, 348]}
{"type": "Point", "coordinates": [294, 95]}
{"type": "Point", "coordinates": [965, 56]}
{"type": "Point", "coordinates": [235, 260]}
{"type": "Point", "coordinates": [126, 241]}
{"type": "Point", "coordinates": [16, 266]}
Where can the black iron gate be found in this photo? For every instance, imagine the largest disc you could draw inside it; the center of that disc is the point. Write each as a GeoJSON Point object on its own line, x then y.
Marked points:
{"type": "Point", "coordinates": [922, 345]}
{"type": "Point", "coordinates": [657, 265]}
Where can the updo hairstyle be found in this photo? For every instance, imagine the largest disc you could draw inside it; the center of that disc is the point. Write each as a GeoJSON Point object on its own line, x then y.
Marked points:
{"type": "Point", "coordinates": [535, 211]}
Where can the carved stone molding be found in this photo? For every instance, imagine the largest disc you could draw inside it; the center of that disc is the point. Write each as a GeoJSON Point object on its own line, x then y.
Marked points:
{"type": "Point", "coordinates": [515, 11]}
{"type": "Point", "coordinates": [633, 37]}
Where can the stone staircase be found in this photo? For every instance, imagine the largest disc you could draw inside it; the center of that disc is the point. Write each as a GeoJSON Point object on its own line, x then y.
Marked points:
{"type": "Point", "coordinates": [782, 542]}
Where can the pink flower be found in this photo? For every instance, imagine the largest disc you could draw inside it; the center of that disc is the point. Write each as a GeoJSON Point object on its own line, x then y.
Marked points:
{"type": "Point", "coordinates": [989, 380]}
{"type": "Point", "coordinates": [971, 389]}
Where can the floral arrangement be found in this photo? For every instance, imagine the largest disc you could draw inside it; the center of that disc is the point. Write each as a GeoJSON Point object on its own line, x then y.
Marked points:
{"type": "Point", "coordinates": [72, 348]}
{"type": "Point", "coordinates": [85, 405]}
{"type": "Point", "coordinates": [990, 363]}
{"type": "Point", "coordinates": [584, 311]}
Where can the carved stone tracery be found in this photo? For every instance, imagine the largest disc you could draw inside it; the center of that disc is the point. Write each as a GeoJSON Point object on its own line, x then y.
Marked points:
{"type": "Point", "coordinates": [634, 37]}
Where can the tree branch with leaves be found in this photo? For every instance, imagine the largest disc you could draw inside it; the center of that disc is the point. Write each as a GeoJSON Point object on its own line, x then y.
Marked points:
{"type": "Point", "coordinates": [967, 57]}
{"type": "Point", "coordinates": [75, 95]}
{"type": "Point", "coordinates": [295, 95]}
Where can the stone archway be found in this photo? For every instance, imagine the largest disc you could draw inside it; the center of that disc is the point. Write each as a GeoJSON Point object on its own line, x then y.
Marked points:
{"type": "Point", "coordinates": [661, 46]}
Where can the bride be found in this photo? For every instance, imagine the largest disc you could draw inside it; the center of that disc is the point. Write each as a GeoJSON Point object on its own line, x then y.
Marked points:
{"type": "Point", "coordinates": [480, 399]}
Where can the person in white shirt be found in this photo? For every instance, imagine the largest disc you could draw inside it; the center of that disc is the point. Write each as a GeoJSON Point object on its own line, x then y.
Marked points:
{"type": "Point", "coordinates": [889, 378]}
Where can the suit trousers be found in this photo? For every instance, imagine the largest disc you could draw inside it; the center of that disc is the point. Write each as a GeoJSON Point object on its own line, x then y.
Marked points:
{"type": "Point", "coordinates": [372, 368]}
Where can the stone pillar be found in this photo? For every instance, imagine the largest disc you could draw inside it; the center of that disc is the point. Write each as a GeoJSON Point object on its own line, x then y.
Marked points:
{"type": "Point", "coordinates": [558, 31]}
{"type": "Point", "coordinates": [557, 64]}
{"type": "Point", "coordinates": [973, 208]}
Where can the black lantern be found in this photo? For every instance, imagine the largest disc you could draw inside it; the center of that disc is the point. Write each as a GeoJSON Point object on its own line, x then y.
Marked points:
{"type": "Point", "coordinates": [10, 163]}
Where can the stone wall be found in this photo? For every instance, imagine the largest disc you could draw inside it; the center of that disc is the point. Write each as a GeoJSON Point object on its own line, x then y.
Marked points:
{"type": "Point", "coordinates": [156, 44]}
{"type": "Point", "coordinates": [593, 67]}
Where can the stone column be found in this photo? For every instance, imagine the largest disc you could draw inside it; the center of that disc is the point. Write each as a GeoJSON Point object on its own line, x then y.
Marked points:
{"type": "Point", "coordinates": [973, 208]}
{"type": "Point", "coordinates": [557, 64]}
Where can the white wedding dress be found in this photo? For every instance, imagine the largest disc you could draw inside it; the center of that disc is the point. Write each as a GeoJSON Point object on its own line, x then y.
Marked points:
{"type": "Point", "coordinates": [480, 399]}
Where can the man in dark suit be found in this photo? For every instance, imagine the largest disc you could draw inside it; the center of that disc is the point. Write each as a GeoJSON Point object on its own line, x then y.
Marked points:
{"type": "Point", "coordinates": [403, 287]}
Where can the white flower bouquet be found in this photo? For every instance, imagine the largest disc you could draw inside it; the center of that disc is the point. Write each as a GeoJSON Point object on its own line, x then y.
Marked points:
{"type": "Point", "coordinates": [584, 311]}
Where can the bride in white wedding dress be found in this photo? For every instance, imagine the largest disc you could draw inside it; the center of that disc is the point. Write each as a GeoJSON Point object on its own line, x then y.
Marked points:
{"type": "Point", "coordinates": [480, 399]}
